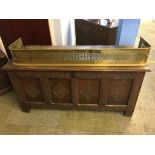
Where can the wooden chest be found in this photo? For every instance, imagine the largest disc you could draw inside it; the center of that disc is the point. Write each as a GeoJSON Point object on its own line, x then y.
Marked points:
{"type": "Point", "coordinates": [98, 88]}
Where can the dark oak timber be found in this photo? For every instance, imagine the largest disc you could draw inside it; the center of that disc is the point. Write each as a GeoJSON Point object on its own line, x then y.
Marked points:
{"type": "Point", "coordinates": [32, 31]}
{"type": "Point", "coordinates": [5, 84]}
{"type": "Point", "coordinates": [98, 88]}
{"type": "Point", "coordinates": [89, 33]}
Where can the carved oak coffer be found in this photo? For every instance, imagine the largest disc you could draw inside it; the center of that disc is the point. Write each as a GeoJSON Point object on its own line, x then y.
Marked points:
{"type": "Point", "coordinates": [100, 88]}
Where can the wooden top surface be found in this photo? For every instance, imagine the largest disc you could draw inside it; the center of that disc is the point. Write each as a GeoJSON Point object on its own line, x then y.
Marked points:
{"type": "Point", "coordinates": [9, 66]}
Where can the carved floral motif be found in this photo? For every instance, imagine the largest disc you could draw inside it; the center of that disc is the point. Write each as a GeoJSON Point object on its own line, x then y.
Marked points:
{"type": "Point", "coordinates": [87, 91]}
{"type": "Point", "coordinates": [32, 91]}
{"type": "Point", "coordinates": [60, 91]}
{"type": "Point", "coordinates": [120, 91]}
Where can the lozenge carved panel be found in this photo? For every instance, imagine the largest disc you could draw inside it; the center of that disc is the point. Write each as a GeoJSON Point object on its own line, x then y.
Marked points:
{"type": "Point", "coordinates": [119, 91]}
{"type": "Point", "coordinates": [60, 90]}
{"type": "Point", "coordinates": [88, 91]}
{"type": "Point", "coordinates": [32, 89]}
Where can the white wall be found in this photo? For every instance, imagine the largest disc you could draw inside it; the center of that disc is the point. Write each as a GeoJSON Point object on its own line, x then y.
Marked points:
{"type": "Point", "coordinates": [55, 31]}
{"type": "Point", "coordinates": [62, 32]}
{"type": "Point", "coordinates": [2, 47]}
{"type": "Point", "coordinates": [73, 35]}
{"type": "Point", "coordinates": [68, 32]}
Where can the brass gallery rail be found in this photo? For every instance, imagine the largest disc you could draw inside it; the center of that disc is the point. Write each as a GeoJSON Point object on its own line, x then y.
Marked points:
{"type": "Point", "coordinates": [79, 55]}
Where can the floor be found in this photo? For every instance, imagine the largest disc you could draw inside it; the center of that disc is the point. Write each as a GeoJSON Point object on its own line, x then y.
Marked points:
{"type": "Point", "coordinates": [14, 121]}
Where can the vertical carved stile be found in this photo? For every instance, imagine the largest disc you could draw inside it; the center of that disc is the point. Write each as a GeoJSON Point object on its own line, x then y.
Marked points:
{"type": "Point", "coordinates": [134, 94]}
{"type": "Point", "coordinates": [77, 91]}
{"type": "Point", "coordinates": [103, 92]}
{"type": "Point", "coordinates": [74, 85]}
{"type": "Point", "coordinates": [25, 106]}
{"type": "Point", "coordinates": [17, 86]}
{"type": "Point", "coordinates": [46, 90]}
